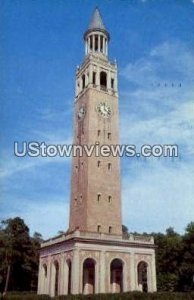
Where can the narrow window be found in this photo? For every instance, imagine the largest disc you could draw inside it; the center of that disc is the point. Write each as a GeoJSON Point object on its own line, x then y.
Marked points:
{"type": "Point", "coordinates": [110, 229]}
{"type": "Point", "coordinates": [98, 132]}
{"type": "Point", "coordinates": [83, 81]}
{"type": "Point", "coordinates": [109, 135]}
{"type": "Point", "coordinates": [76, 167]}
{"type": "Point", "coordinates": [112, 83]}
{"type": "Point", "coordinates": [99, 228]}
{"type": "Point", "coordinates": [96, 43]}
{"type": "Point", "coordinates": [109, 199]}
{"type": "Point", "coordinates": [101, 43]}
{"type": "Point", "coordinates": [91, 43]}
{"type": "Point", "coordinates": [99, 163]}
{"type": "Point", "coordinates": [109, 166]}
{"type": "Point", "coordinates": [94, 78]}
{"type": "Point", "coordinates": [98, 197]}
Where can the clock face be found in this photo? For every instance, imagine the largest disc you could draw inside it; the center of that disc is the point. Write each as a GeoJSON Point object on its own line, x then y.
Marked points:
{"type": "Point", "coordinates": [104, 110]}
{"type": "Point", "coordinates": [81, 113]}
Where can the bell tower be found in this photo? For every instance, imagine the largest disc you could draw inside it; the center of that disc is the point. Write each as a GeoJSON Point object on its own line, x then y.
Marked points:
{"type": "Point", "coordinates": [95, 192]}
{"type": "Point", "coordinates": [93, 256]}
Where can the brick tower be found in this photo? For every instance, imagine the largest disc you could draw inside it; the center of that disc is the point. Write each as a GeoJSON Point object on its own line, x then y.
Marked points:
{"type": "Point", "coordinates": [95, 199]}
{"type": "Point", "coordinates": [93, 256]}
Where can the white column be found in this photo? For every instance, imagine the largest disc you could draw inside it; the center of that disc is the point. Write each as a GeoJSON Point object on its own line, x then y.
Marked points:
{"type": "Point", "coordinates": [39, 278]}
{"type": "Point", "coordinates": [48, 281]}
{"type": "Point", "coordinates": [90, 43]}
{"type": "Point", "coordinates": [108, 80]}
{"type": "Point", "coordinates": [115, 83]}
{"type": "Point", "coordinates": [75, 272]}
{"type": "Point", "coordinates": [103, 45]}
{"type": "Point", "coordinates": [90, 70]}
{"type": "Point", "coordinates": [52, 280]}
{"type": "Point", "coordinates": [99, 43]}
{"type": "Point", "coordinates": [102, 272]}
{"type": "Point", "coordinates": [154, 284]}
{"type": "Point", "coordinates": [86, 46]}
{"type": "Point", "coordinates": [149, 278]}
{"type": "Point", "coordinates": [125, 278]}
{"type": "Point", "coordinates": [98, 77]}
{"type": "Point", "coordinates": [132, 273]}
{"type": "Point", "coordinates": [96, 281]}
{"type": "Point", "coordinates": [93, 43]}
{"type": "Point", "coordinates": [106, 47]}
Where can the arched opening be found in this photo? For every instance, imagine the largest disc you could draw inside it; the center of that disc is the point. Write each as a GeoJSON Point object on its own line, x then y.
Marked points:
{"type": "Point", "coordinates": [69, 265]}
{"type": "Point", "coordinates": [142, 273]}
{"type": "Point", "coordinates": [116, 276]}
{"type": "Point", "coordinates": [103, 80]}
{"type": "Point", "coordinates": [56, 265]}
{"type": "Point", "coordinates": [89, 276]}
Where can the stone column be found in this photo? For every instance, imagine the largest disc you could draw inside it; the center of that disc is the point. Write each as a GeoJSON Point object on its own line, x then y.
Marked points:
{"type": "Point", "coordinates": [125, 278]}
{"type": "Point", "coordinates": [96, 280]}
{"type": "Point", "coordinates": [61, 276]}
{"type": "Point", "coordinates": [52, 280]}
{"type": "Point", "coordinates": [149, 277]}
{"type": "Point", "coordinates": [48, 281]}
{"type": "Point", "coordinates": [132, 272]}
{"type": "Point", "coordinates": [98, 78]}
{"type": "Point", "coordinates": [89, 44]}
{"type": "Point", "coordinates": [153, 265]}
{"type": "Point", "coordinates": [103, 45]}
{"type": "Point", "coordinates": [39, 278]}
{"type": "Point", "coordinates": [75, 272]}
{"type": "Point", "coordinates": [115, 83]}
{"type": "Point", "coordinates": [106, 47]}
{"type": "Point", "coordinates": [93, 42]}
{"type": "Point", "coordinates": [90, 70]}
{"type": "Point", "coordinates": [109, 80]}
{"type": "Point", "coordinates": [99, 43]}
{"type": "Point", "coordinates": [102, 272]}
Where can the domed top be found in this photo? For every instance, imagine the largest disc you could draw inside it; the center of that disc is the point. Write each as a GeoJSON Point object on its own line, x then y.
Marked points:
{"type": "Point", "coordinates": [96, 23]}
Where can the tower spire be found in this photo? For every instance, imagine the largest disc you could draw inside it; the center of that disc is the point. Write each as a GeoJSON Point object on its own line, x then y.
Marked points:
{"type": "Point", "coordinates": [96, 21]}
{"type": "Point", "coordinates": [96, 36]}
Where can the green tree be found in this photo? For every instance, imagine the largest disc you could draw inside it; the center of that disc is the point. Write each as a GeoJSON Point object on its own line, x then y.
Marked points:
{"type": "Point", "coordinates": [187, 267]}
{"type": "Point", "coordinates": [18, 255]}
{"type": "Point", "coordinates": [168, 259]}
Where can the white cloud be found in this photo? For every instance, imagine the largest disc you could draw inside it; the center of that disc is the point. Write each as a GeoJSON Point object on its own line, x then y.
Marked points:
{"type": "Point", "coordinates": [160, 114]}
{"type": "Point", "coordinates": [159, 193]}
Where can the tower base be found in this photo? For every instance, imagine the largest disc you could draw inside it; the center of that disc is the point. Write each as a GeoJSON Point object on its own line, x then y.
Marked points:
{"type": "Point", "coordinates": [87, 263]}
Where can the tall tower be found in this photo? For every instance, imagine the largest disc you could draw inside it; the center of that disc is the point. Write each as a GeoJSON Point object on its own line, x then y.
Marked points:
{"type": "Point", "coordinates": [93, 256]}
{"type": "Point", "coordinates": [95, 196]}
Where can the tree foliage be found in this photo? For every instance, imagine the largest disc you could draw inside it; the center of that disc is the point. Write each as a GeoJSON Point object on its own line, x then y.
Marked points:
{"type": "Point", "coordinates": [18, 256]}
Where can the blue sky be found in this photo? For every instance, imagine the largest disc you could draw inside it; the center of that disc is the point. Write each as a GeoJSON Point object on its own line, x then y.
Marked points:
{"type": "Point", "coordinates": [41, 45]}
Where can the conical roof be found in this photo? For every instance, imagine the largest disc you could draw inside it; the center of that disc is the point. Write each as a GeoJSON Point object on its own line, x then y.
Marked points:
{"type": "Point", "coordinates": [96, 21]}
{"type": "Point", "coordinates": [96, 24]}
